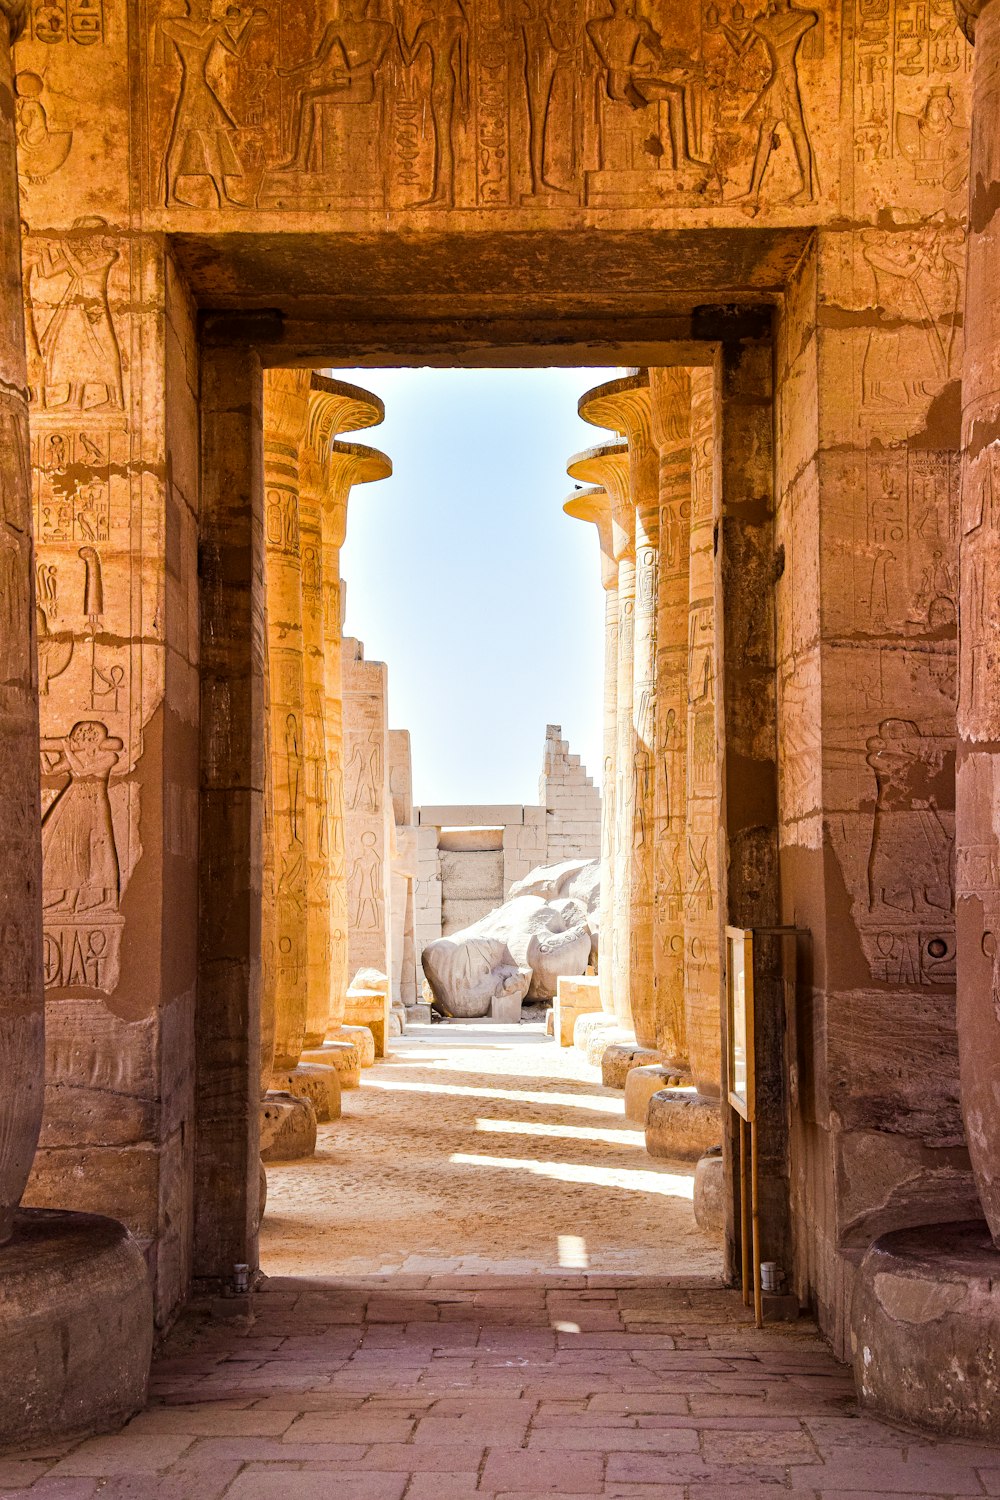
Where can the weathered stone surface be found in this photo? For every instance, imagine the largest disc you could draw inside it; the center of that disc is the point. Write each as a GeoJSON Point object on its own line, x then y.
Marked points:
{"type": "Point", "coordinates": [345, 1057]}
{"type": "Point", "coordinates": [642, 1082]}
{"type": "Point", "coordinates": [315, 1081]}
{"type": "Point", "coordinates": [618, 1062]}
{"type": "Point", "coordinates": [710, 1193]}
{"type": "Point", "coordinates": [369, 1009]}
{"type": "Point", "coordinates": [359, 1037]}
{"type": "Point", "coordinates": [287, 1128]}
{"type": "Point", "coordinates": [22, 1055]}
{"type": "Point", "coordinates": [522, 948]}
{"type": "Point", "coordinates": [682, 1124]}
{"type": "Point", "coordinates": [925, 1328]}
{"type": "Point", "coordinates": [575, 997]}
{"type": "Point", "coordinates": [76, 1327]}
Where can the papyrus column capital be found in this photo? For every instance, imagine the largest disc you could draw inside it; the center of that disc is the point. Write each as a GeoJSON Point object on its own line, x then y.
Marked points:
{"type": "Point", "coordinates": [594, 505]}
{"type": "Point", "coordinates": [608, 468]}
{"type": "Point", "coordinates": [349, 464]}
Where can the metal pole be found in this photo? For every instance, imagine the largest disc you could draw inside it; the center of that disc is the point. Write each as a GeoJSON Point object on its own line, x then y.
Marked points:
{"type": "Point", "coordinates": [758, 1299]}
{"type": "Point", "coordinates": [745, 1212]}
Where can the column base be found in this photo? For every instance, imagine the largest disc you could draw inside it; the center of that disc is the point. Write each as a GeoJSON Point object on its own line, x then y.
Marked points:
{"type": "Point", "coordinates": [315, 1082]}
{"type": "Point", "coordinates": [361, 1038]}
{"type": "Point", "coordinates": [710, 1194]}
{"type": "Point", "coordinates": [682, 1125]}
{"type": "Point", "coordinates": [642, 1082]}
{"type": "Point", "coordinates": [371, 1009]}
{"type": "Point", "coordinates": [344, 1056]}
{"type": "Point", "coordinates": [287, 1128]}
{"type": "Point", "coordinates": [925, 1330]}
{"type": "Point", "coordinates": [595, 1032]}
{"type": "Point", "coordinates": [76, 1327]}
{"type": "Point", "coordinates": [619, 1060]}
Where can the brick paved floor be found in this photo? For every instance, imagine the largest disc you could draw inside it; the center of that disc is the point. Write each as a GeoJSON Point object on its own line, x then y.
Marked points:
{"type": "Point", "coordinates": [409, 1388]}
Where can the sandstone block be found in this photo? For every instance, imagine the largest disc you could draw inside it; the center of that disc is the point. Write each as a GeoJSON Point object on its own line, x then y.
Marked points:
{"type": "Point", "coordinates": [710, 1194]}
{"type": "Point", "coordinates": [681, 1124]}
{"type": "Point", "coordinates": [287, 1128]}
{"type": "Point", "coordinates": [418, 1015]}
{"type": "Point", "coordinates": [925, 1329]}
{"type": "Point", "coordinates": [642, 1083]}
{"type": "Point", "coordinates": [76, 1327]}
{"type": "Point", "coordinates": [369, 1008]}
{"type": "Point", "coordinates": [344, 1056]}
{"type": "Point", "coordinates": [359, 1037]}
{"type": "Point", "coordinates": [506, 1009]}
{"type": "Point", "coordinates": [619, 1060]}
{"type": "Point", "coordinates": [584, 1024]}
{"type": "Point", "coordinates": [575, 997]}
{"type": "Point", "coordinates": [600, 1038]}
{"type": "Point", "coordinates": [316, 1082]}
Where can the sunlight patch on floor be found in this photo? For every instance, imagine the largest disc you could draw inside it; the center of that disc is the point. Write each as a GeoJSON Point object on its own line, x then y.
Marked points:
{"type": "Point", "coordinates": [664, 1184]}
{"type": "Point", "coordinates": [521, 1096]}
{"type": "Point", "coordinates": [634, 1138]}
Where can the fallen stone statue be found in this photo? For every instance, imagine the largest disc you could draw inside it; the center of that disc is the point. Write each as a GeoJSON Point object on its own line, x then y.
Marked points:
{"type": "Point", "coordinates": [546, 928]}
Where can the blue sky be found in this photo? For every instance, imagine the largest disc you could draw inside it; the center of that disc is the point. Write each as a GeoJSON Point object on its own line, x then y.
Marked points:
{"type": "Point", "coordinates": [464, 575]}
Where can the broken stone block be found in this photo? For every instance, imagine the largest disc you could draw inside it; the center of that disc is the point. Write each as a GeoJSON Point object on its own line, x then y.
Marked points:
{"type": "Point", "coordinates": [642, 1083]}
{"type": "Point", "coordinates": [287, 1128]}
{"type": "Point", "coordinates": [710, 1193]}
{"type": "Point", "coordinates": [314, 1081]}
{"type": "Point", "coordinates": [619, 1060]}
{"type": "Point", "coordinates": [681, 1124]}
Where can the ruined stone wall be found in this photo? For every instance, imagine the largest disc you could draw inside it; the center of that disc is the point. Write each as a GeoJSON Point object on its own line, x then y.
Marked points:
{"type": "Point", "coordinates": [572, 803]}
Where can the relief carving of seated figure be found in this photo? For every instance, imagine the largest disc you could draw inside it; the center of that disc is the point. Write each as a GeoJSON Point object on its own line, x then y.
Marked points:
{"type": "Point", "coordinates": [352, 49]}
{"type": "Point", "coordinates": [640, 71]}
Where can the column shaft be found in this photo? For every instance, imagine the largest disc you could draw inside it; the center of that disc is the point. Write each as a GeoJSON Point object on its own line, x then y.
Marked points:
{"type": "Point", "coordinates": [334, 690]}
{"type": "Point", "coordinates": [605, 952]}
{"type": "Point", "coordinates": [624, 790]}
{"type": "Point", "coordinates": [701, 906]}
{"type": "Point", "coordinates": [286, 409]}
{"type": "Point", "coordinates": [22, 1040]}
{"type": "Point", "coordinates": [978, 781]}
{"type": "Point", "coordinates": [644, 465]}
{"type": "Point", "coordinates": [671, 391]}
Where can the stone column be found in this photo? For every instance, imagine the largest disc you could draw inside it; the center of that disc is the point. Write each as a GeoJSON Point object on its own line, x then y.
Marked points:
{"type": "Point", "coordinates": [286, 414]}
{"type": "Point", "coordinates": [671, 414]}
{"type": "Point", "coordinates": [329, 470]}
{"type": "Point", "coordinates": [625, 406]}
{"type": "Point", "coordinates": [608, 466]}
{"type": "Point", "coordinates": [22, 1039]}
{"type": "Point", "coordinates": [349, 464]}
{"type": "Point", "coordinates": [701, 903]}
{"type": "Point", "coordinates": [594, 505]}
{"type": "Point", "coordinates": [312, 493]}
{"type": "Point", "coordinates": [978, 780]}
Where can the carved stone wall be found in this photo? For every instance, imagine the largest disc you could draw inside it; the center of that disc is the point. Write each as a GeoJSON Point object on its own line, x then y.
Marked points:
{"type": "Point", "coordinates": [111, 335]}
{"type": "Point", "coordinates": [867, 649]}
{"type": "Point", "coordinates": [485, 163]}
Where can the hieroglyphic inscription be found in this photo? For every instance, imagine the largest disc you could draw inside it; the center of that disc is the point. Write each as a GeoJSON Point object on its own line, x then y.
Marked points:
{"type": "Point", "coordinates": [90, 651]}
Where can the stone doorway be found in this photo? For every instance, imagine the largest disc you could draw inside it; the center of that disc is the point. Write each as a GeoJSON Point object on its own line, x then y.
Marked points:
{"type": "Point", "coordinates": [732, 351]}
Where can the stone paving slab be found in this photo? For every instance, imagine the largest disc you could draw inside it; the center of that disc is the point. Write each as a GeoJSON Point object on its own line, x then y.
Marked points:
{"type": "Point", "coordinates": [512, 1391]}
